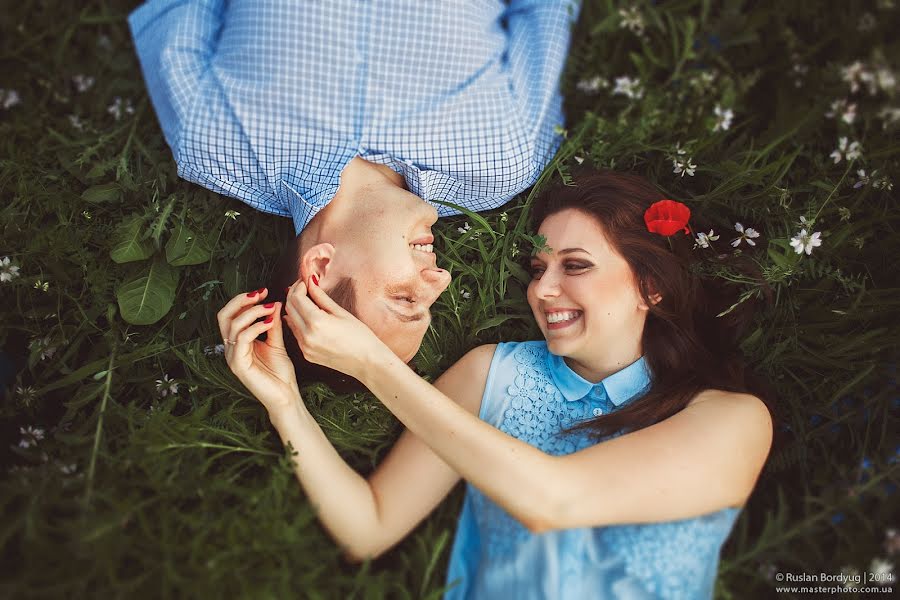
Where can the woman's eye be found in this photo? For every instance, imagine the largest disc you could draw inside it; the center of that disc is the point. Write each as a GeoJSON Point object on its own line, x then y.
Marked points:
{"type": "Point", "coordinates": [575, 266]}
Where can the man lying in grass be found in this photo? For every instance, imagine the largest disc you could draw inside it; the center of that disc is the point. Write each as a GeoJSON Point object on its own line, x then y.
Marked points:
{"type": "Point", "coordinates": [359, 120]}
{"type": "Point", "coordinates": [609, 460]}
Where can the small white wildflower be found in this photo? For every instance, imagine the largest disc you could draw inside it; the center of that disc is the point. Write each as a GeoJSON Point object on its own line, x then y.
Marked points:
{"type": "Point", "coordinates": [104, 42]}
{"type": "Point", "coordinates": [578, 159]}
{"type": "Point", "coordinates": [628, 87]}
{"type": "Point", "coordinates": [87, 214]}
{"type": "Point", "coordinates": [592, 85]}
{"type": "Point", "coordinates": [883, 183]}
{"type": "Point", "coordinates": [799, 70]}
{"type": "Point", "coordinates": [8, 272]}
{"type": "Point", "coordinates": [850, 152]}
{"type": "Point", "coordinates": [41, 285]}
{"type": "Point", "coordinates": [232, 214]}
{"type": "Point", "coordinates": [745, 235]}
{"type": "Point", "coordinates": [166, 386]}
{"type": "Point", "coordinates": [866, 22]}
{"type": "Point", "coordinates": [76, 122]}
{"type": "Point", "coordinates": [889, 115]}
{"type": "Point", "coordinates": [885, 79]}
{"type": "Point", "coordinates": [217, 349]}
{"type": "Point", "coordinates": [851, 576]}
{"type": "Point", "coordinates": [683, 167]}
{"type": "Point", "coordinates": [891, 541]}
{"type": "Point", "coordinates": [43, 347]}
{"type": "Point", "coordinates": [30, 436]}
{"type": "Point", "coordinates": [466, 227]}
{"type": "Point", "coordinates": [804, 242]}
{"type": "Point", "coordinates": [631, 20]}
{"type": "Point", "coordinates": [843, 108]}
{"type": "Point", "coordinates": [723, 118]}
{"type": "Point", "coordinates": [26, 394]}
{"type": "Point", "coordinates": [465, 294]}
{"type": "Point", "coordinates": [504, 217]}
{"type": "Point", "coordinates": [703, 239]}
{"type": "Point", "coordinates": [882, 570]}
{"type": "Point", "coordinates": [514, 250]}
{"type": "Point", "coordinates": [82, 82]}
{"type": "Point", "coordinates": [68, 469]}
{"type": "Point", "coordinates": [9, 98]}
{"type": "Point", "coordinates": [679, 150]}
{"type": "Point", "coordinates": [852, 74]}
{"type": "Point", "coordinates": [117, 108]}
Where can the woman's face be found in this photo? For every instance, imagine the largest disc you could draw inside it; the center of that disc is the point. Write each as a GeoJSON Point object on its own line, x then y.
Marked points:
{"type": "Point", "coordinates": [583, 294]}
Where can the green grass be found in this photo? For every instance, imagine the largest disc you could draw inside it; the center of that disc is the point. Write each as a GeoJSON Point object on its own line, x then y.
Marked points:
{"type": "Point", "coordinates": [134, 494]}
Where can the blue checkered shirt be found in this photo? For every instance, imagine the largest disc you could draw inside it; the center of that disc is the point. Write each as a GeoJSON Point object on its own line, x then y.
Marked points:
{"type": "Point", "coordinates": [267, 101]}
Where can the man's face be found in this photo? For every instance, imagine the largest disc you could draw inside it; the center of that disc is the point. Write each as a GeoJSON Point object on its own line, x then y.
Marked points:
{"type": "Point", "coordinates": [387, 251]}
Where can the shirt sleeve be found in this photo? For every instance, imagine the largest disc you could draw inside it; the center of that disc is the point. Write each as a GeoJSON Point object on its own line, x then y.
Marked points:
{"type": "Point", "coordinates": [175, 40]}
{"type": "Point", "coordinates": [539, 36]}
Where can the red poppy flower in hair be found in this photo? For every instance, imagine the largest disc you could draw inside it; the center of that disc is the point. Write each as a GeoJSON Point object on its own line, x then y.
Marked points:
{"type": "Point", "coordinates": [667, 217]}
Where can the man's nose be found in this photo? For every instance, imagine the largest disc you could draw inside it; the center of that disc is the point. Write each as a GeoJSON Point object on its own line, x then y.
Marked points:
{"type": "Point", "coordinates": [435, 282]}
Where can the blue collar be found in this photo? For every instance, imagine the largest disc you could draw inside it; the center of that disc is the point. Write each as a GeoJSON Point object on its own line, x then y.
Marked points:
{"type": "Point", "coordinates": [620, 387]}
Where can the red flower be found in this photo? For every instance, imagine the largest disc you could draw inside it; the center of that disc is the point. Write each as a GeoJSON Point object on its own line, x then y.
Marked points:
{"type": "Point", "coordinates": [667, 217]}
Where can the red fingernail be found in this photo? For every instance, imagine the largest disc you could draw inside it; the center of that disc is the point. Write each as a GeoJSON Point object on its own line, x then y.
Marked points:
{"type": "Point", "coordinates": [269, 305]}
{"type": "Point", "coordinates": [286, 290]}
{"type": "Point", "coordinates": [315, 279]}
{"type": "Point", "coordinates": [261, 290]}
{"type": "Point", "coordinates": [269, 319]}
{"type": "Point", "coordinates": [251, 294]}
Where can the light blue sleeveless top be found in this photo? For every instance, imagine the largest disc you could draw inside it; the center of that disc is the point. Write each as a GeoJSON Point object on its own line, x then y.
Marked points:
{"type": "Point", "coordinates": [532, 394]}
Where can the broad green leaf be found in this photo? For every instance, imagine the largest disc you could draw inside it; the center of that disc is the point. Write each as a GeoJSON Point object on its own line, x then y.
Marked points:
{"type": "Point", "coordinates": [105, 192]}
{"type": "Point", "coordinates": [147, 298]}
{"type": "Point", "coordinates": [128, 245]}
{"type": "Point", "coordinates": [187, 248]}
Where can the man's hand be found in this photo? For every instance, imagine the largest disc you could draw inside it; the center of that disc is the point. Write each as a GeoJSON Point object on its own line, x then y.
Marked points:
{"type": "Point", "coordinates": [329, 335]}
{"type": "Point", "coordinates": [263, 367]}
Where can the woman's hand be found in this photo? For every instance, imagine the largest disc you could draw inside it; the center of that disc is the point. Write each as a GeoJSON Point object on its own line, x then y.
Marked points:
{"type": "Point", "coordinates": [263, 367]}
{"type": "Point", "coordinates": [327, 334]}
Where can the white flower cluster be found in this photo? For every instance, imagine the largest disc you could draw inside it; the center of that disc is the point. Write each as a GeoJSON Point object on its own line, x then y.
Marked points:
{"type": "Point", "coordinates": [82, 82]}
{"type": "Point", "coordinates": [629, 87]}
{"type": "Point", "coordinates": [592, 85]}
{"type": "Point", "coordinates": [723, 118]}
{"type": "Point", "coordinates": [217, 349]}
{"type": "Point", "coordinates": [879, 182]}
{"type": "Point", "coordinates": [850, 152]}
{"type": "Point", "coordinates": [118, 107]}
{"type": "Point", "coordinates": [30, 436]}
{"type": "Point", "coordinates": [847, 111]}
{"type": "Point", "coordinates": [8, 271]}
{"type": "Point", "coordinates": [43, 347]}
{"type": "Point", "coordinates": [680, 164]}
{"type": "Point", "coordinates": [166, 386]}
{"type": "Point", "coordinates": [9, 98]}
{"type": "Point", "coordinates": [874, 78]}
{"type": "Point", "coordinates": [804, 241]}
{"type": "Point", "coordinates": [632, 20]}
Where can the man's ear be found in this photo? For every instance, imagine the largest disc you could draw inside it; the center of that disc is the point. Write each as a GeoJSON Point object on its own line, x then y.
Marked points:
{"type": "Point", "coordinates": [316, 261]}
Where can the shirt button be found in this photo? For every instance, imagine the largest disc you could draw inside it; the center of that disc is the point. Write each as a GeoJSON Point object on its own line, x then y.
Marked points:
{"type": "Point", "coordinates": [597, 412]}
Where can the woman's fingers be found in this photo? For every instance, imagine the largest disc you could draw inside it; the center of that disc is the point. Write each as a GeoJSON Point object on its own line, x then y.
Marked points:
{"type": "Point", "coordinates": [235, 306]}
{"type": "Point", "coordinates": [246, 337]}
{"type": "Point", "coordinates": [276, 336]}
{"type": "Point", "coordinates": [246, 318]}
{"type": "Point", "coordinates": [323, 300]}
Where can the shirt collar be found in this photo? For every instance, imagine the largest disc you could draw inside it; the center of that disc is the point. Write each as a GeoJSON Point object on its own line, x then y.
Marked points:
{"type": "Point", "coordinates": [620, 386]}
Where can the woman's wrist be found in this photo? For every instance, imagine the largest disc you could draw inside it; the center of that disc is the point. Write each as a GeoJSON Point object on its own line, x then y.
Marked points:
{"type": "Point", "coordinates": [290, 410]}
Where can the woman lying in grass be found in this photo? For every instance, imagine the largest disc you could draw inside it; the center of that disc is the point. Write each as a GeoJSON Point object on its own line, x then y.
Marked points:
{"type": "Point", "coordinates": [632, 352]}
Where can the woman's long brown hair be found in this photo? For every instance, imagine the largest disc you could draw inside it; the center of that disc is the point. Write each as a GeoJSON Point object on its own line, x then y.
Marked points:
{"type": "Point", "coordinates": [686, 347]}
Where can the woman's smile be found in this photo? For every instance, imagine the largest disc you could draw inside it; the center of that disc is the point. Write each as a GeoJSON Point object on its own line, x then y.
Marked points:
{"type": "Point", "coordinates": [560, 319]}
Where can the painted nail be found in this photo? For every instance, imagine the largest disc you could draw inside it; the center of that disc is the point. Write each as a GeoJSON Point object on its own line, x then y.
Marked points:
{"type": "Point", "coordinates": [315, 279]}
{"type": "Point", "coordinates": [251, 294]}
{"type": "Point", "coordinates": [269, 319]}
{"type": "Point", "coordinates": [269, 305]}
{"type": "Point", "coordinates": [261, 290]}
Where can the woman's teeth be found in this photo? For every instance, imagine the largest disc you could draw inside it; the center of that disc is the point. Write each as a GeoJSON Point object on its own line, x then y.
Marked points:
{"type": "Point", "coordinates": [423, 247]}
{"type": "Point", "coordinates": [558, 317]}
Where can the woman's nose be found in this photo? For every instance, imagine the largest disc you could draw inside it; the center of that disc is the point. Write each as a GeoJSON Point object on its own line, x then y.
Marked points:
{"type": "Point", "coordinates": [547, 286]}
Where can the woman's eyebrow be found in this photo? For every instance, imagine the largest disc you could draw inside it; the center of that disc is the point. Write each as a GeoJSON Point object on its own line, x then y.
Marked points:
{"type": "Point", "coordinates": [571, 250]}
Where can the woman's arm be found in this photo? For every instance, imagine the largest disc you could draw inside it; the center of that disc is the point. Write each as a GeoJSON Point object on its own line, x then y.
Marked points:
{"type": "Point", "coordinates": [706, 457]}
{"type": "Point", "coordinates": [368, 517]}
